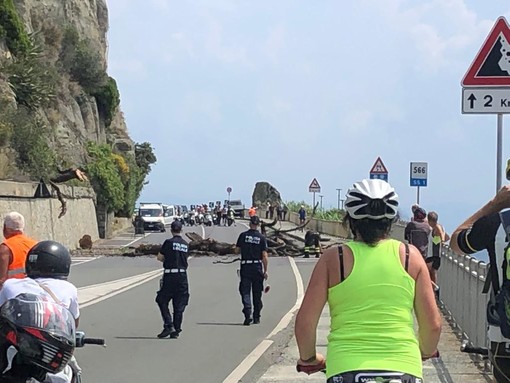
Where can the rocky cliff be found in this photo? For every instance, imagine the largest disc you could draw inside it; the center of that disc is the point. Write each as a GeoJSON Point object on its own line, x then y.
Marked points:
{"type": "Point", "coordinates": [54, 66]}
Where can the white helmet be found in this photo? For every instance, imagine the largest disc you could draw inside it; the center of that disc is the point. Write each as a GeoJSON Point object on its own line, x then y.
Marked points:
{"type": "Point", "coordinates": [373, 199]}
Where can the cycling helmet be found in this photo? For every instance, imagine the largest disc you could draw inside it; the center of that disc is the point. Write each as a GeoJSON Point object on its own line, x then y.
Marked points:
{"type": "Point", "coordinates": [373, 199]}
{"type": "Point", "coordinates": [48, 259]}
{"type": "Point", "coordinates": [41, 330]}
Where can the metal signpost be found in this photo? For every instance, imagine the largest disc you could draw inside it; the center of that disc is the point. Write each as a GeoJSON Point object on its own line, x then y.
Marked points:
{"type": "Point", "coordinates": [486, 85]}
{"type": "Point", "coordinates": [379, 171]}
{"type": "Point", "coordinates": [418, 177]}
{"type": "Point", "coordinates": [229, 190]}
{"type": "Point", "coordinates": [314, 188]}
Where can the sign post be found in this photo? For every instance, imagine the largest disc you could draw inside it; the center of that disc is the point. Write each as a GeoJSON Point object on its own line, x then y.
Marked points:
{"type": "Point", "coordinates": [314, 188]}
{"type": "Point", "coordinates": [379, 171]}
{"type": "Point", "coordinates": [418, 177]}
{"type": "Point", "coordinates": [229, 190]}
{"type": "Point", "coordinates": [486, 85]}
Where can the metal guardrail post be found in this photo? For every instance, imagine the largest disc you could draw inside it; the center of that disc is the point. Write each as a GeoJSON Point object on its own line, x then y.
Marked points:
{"type": "Point", "coordinates": [462, 279]}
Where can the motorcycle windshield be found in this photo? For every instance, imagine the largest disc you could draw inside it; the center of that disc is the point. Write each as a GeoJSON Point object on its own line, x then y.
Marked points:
{"type": "Point", "coordinates": [36, 312]}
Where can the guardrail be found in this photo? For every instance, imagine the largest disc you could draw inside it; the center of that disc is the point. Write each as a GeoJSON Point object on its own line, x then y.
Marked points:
{"type": "Point", "coordinates": [462, 278]}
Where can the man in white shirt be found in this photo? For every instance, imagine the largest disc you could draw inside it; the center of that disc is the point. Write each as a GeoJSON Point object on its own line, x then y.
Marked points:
{"type": "Point", "coordinates": [47, 266]}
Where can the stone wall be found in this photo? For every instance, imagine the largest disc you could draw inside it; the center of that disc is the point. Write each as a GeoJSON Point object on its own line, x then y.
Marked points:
{"type": "Point", "coordinates": [41, 214]}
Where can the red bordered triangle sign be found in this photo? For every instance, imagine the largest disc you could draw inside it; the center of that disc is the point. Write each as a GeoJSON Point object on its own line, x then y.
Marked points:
{"type": "Point", "coordinates": [491, 66]}
{"type": "Point", "coordinates": [379, 167]}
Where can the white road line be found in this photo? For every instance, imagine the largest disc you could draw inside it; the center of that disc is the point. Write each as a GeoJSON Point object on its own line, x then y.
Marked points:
{"type": "Point", "coordinates": [137, 239]}
{"type": "Point", "coordinates": [241, 370]}
{"type": "Point", "coordinates": [82, 261]}
{"type": "Point", "coordinates": [203, 231]}
{"type": "Point", "coordinates": [248, 362]}
{"type": "Point", "coordinates": [92, 294]}
{"type": "Point", "coordinates": [284, 322]}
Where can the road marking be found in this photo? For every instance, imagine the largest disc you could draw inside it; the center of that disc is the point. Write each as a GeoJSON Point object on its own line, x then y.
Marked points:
{"type": "Point", "coordinates": [241, 370]}
{"type": "Point", "coordinates": [284, 322]}
{"type": "Point", "coordinates": [80, 261]}
{"type": "Point", "coordinates": [248, 362]}
{"type": "Point", "coordinates": [137, 239]}
{"type": "Point", "coordinates": [203, 231]}
{"type": "Point", "coordinates": [99, 292]}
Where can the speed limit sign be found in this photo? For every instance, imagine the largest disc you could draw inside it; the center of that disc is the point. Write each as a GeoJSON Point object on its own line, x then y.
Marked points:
{"type": "Point", "coordinates": [418, 174]}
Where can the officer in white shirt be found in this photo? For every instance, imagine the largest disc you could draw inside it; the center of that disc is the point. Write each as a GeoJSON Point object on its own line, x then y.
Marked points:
{"type": "Point", "coordinates": [47, 266]}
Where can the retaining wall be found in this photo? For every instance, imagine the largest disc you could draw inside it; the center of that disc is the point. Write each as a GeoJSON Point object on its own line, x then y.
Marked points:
{"type": "Point", "coordinates": [41, 214]}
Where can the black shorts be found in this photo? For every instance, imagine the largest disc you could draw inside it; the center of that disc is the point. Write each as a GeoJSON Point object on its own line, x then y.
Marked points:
{"type": "Point", "coordinates": [435, 260]}
{"type": "Point", "coordinates": [373, 375]}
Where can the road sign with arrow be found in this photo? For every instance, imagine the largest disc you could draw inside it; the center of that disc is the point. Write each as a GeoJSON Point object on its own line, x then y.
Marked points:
{"type": "Point", "coordinates": [485, 100]}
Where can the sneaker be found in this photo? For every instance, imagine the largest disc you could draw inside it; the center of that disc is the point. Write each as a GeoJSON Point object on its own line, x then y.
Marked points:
{"type": "Point", "coordinates": [256, 320]}
{"type": "Point", "coordinates": [174, 335]}
{"type": "Point", "coordinates": [166, 332]}
{"type": "Point", "coordinates": [247, 322]}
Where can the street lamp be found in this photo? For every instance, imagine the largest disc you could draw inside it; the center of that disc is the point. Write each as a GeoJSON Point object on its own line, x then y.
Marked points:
{"type": "Point", "coordinates": [339, 191]}
{"type": "Point", "coordinates": [321, 200]}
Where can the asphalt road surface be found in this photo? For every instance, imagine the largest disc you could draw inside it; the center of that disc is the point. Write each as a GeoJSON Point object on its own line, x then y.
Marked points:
{"type": "Point", "coordinates": [214, 345]}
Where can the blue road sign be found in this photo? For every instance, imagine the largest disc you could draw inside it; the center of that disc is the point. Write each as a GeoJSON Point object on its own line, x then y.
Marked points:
{"type": "Point", "coordinates": [418, 174]}
{"type": "Point", "coordinates": [379, 176]}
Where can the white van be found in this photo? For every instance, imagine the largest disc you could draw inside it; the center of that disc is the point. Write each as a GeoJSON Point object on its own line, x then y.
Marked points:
{"type": "Point", "coordinates": [171, 213]}
{"type": "Point", "coordinates": [153, 216]}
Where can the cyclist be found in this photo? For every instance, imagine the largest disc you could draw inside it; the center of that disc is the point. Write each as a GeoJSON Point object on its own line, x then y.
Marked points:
{"type": "Point", "coordinates": [372, 284]}
{"type": "Point", "coordinates": [477, 233]}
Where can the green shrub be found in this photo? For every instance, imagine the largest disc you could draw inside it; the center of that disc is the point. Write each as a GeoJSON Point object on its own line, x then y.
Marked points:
{"type": "Point", "coordinates": [144, 156]}
{"type": "Point", "coordinates": [108, 99]}
{"type": "Point", "coordinates": [32, 80]}
{"type": "Point", "coordinates": [30, 139]}
{"type": "Point", "coordinates": [133, 184]}
{"type": "Point", "coordinates": [325, 214]}
{"type": "Point", "coordinates": [105, 177]}
{"type": "Point", "coordinates": [12, 28]}
{"type": "Point", "coordinates": [81, 62]}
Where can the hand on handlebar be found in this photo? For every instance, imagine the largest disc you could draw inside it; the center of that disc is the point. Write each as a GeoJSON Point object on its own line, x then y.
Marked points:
{"type": "Point", "coordinates": [434, 355]}
{"type": "Point", "coordinates": [308, 368]}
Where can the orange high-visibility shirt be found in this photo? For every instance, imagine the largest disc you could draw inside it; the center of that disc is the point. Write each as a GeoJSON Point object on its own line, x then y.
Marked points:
{"type": "Point", "coordinates": [19, 245]}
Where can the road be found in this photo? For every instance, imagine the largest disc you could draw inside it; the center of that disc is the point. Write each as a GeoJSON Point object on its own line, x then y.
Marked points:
{"type": "Point", "coordinates": [213, 344]}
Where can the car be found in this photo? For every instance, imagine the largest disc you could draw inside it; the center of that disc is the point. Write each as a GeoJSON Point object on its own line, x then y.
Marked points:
{"type": "Point", "coordinates": [237, 206]}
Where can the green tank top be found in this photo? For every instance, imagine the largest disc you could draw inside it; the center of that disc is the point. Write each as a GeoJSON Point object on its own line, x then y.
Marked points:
{"type": "Point", "coordinates": [372, 314]}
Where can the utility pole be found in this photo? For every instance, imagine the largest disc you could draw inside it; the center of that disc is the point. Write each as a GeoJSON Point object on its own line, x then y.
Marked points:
{"type": "Point", "coordinates": [339, 191]}
{"type": "Point", "coordinates": [321, 200]}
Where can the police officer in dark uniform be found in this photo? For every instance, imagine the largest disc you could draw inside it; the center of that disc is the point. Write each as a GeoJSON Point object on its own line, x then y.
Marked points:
{"type": "Point", "coordinates": [174, 284]}
{"type": "Point", "coordinates": [253, 248]}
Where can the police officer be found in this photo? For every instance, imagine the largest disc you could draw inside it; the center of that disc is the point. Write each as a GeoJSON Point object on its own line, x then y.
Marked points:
{"type": "Point", "coordinates": [312, 244]}
{"type": "Point", "coordinates": [174, 284]}
{"type": "Point", "coordinates": [253, 248]}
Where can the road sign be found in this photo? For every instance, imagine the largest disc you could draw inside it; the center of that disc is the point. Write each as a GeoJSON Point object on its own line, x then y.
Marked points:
{"type": "Point", "coordinates": [491, 66]}
{"type": "Point", "coordinates": [229, 190]}
{"type": "Point", "coordinates": [485, 100]}
{"type": "Point", "coordinates": [378, 170]}
{"type": "Point", "coordinates": [418, 174]}
{"type": "Point", "coordinates": [314, 186]}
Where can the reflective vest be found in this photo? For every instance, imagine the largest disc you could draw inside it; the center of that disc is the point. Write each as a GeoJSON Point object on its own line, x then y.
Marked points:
{"type": "Point", "coordinates": [19, 245]}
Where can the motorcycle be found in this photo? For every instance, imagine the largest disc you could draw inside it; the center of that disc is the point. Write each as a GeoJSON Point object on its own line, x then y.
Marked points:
{"type": "Point", "coordinates": [208, 219]}
{"type": "Point", "coordinates": [38, 337]}
{"type": "Point", "coordinates": [200, 218]}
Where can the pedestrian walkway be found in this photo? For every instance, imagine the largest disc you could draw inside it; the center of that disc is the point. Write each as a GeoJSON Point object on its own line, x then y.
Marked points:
{"type": "Point", "coordinates": [452, 366]}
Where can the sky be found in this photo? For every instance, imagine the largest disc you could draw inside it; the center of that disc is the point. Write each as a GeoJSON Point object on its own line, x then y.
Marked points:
{"type": "Point", "coordinates": [230, 93]}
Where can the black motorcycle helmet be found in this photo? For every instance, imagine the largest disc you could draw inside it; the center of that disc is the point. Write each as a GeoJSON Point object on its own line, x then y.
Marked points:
{"type": "Point", "coordinates": [48, 259]}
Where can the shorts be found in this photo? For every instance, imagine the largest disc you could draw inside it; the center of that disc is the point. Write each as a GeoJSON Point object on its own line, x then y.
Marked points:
{"type": "Point", "coordinates": [435, 260]}
{"type": "Point", "coordinates": [363, 376]}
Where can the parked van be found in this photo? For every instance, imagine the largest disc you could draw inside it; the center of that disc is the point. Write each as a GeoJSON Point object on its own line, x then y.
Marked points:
{"type": "Point", "coordinates": [153, 215]}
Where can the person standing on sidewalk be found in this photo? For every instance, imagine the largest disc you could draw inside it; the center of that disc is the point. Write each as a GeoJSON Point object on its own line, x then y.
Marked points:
{"type": "Point", "coordinates": [14, 248]}
{"type": "Point", "coordinates": [439, 237]}
{"type": "Point", "coordinates": [174, 285]}
{"type": "Point", "coordinates": [253, 248]}
{"type": "Point", "coordinates": [302, 216]}
{"type": "Point", "coordinates": [372, 284]}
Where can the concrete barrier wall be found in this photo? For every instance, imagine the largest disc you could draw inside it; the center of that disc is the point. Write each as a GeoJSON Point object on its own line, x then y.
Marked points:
{"type": "Point", "coordinates": [337, 229]}
{"type": "Point", "coordinates": [41, 214]}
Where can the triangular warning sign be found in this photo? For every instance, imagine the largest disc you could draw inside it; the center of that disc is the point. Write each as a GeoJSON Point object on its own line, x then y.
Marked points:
{"type": "Point", "coordinates": [491, 66]}
{"type": "Point", "coordinates": [379, 167]}
{"type": "Point", "coordinates": [314, 184]}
